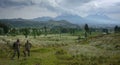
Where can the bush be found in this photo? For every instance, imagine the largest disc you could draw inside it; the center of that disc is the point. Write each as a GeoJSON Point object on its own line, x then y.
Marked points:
{"type": "Point", "coordinates": [61, 52]}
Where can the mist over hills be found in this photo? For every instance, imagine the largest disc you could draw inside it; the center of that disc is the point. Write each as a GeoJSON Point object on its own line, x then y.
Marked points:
{"type": "Point", "coordinates": [42, 19]}
{"type": "Point", "coordinates": [96, 20]}
{"type": "Point", "coordinates": [66, 20]}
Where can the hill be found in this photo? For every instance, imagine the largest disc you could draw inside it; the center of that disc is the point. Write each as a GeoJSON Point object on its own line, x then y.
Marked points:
{"type": "Point", "coordinates": [93, 20]}
{"type": "Point", "coordinates": [30, 23]}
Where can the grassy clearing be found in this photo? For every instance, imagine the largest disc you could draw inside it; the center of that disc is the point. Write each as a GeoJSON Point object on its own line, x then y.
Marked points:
{"type": "Point", "coordinates": [64, 50]}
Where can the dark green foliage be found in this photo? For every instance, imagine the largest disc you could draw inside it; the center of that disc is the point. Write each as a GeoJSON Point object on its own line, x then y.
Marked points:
{"type": "Point", "coordinates": [14, 31]}
{"type": "Point", "coordinates": [23, 23]}
{"type": "Point", "coordinates": [105, 31]}
{"type": "Point", "coordinates": [86, 28]}
{"type": "Point", "coordinates": [38, 32]}
{"type": "Point", "coordinates": [72, 31]}
{"type": "Point", "coordinates": [34, 32]}
{"type": "Point", "coordinates": [45, 30]}
{"type": "Point", "coordinates": [116, 29]}
{"type": "Point", "coordinates": [4, 27]}
{"type": "Point", "coordinates": [50, 27]}
{"type": "Point", "coordinates": [60, 52]}
{"type": "Point", "coordinates": [25, 32]}
{"type": "Point", "coordinates": [1, 31]}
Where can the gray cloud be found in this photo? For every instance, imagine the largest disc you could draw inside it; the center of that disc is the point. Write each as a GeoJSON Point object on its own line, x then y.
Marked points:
{"type": "Point", "coordinates": [12, 3]}
{"type": "Point", "coordinates": [39, 8]}
{"type": "Point", "coordinates": [73, 2]}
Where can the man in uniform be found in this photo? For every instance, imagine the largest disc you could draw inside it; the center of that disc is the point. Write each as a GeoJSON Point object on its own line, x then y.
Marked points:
{"type": "Point", "coordinates": [27, 48]}
{"type": "Point", "coordinates": [16, 48]}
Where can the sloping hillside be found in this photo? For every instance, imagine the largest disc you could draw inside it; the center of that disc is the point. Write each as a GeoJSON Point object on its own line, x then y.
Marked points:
{"type": "Point", "coordinates": [52, 50]}
{"type": "Point", "coordinates": [31, 23]}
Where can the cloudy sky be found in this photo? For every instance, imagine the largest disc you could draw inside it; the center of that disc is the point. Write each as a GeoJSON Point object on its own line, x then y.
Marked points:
{"type": "Point", "coordinates": [38, 8]}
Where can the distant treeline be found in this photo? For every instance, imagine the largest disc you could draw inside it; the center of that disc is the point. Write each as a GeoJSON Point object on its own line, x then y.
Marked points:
{"type": "Point", "coordinates": [6, 30]}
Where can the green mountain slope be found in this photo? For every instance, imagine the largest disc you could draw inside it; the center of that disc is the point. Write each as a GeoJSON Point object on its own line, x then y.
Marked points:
{"type": "Point", "coordinates": [30, 23]}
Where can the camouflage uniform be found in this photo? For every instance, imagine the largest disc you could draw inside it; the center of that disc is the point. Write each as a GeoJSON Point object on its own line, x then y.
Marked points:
{"type": "Point", "coordinates": [16, 48]}
{"type": "Point", "coordinates": [27, 48]}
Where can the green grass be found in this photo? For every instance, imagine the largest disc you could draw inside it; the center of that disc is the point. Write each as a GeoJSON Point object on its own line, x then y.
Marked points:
{"type": "Point", "coordinates": [64, 50]}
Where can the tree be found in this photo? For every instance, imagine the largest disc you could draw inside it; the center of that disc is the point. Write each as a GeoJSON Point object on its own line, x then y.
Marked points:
{"type": "Point", "coordinates": [34, 32]}
{"type": "Point", "coordinates": [5, 28]}
{"type": "Point", "coordinates": [13, 32]}
{"type": "Point", "coordinates": [45, 30]}
{"type": "Point", "coordinates": [26, 32]}
{"type": "Point", "coordinates": [86, 30]}
{"type": "Point", "coordinates": [105, 31]}
{"type": "Point", "coordinates": [1, 31]}
{"type": "Point", "coordinates": [117, 29]}
{"type": "Point", "coordinates": [38, 32]}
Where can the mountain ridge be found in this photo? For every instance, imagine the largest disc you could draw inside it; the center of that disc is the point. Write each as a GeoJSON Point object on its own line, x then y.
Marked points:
{"type": "Point", "coordinates": [30, 23]}
{"type": "Point", "coordinates": [72, 21]}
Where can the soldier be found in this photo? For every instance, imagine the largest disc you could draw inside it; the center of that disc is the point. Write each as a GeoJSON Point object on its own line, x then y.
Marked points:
{"type": "Point", "coordinates": [27, 48]}
{"type": "Point", "coordinates": [16, 48]}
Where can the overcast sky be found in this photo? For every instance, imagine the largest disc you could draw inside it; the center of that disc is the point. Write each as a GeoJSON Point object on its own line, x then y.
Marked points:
{"type": "Point", "coordinates": [38, 8]}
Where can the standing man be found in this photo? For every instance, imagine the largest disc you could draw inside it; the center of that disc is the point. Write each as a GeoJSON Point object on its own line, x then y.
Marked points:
{"type": "Point", "coordinates": [16, 48]}
{"type": "Point", "coordinates": [27, 48]}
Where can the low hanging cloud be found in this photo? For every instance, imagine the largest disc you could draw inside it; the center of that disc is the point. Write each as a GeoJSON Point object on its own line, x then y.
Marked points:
{"type": "Point", "coordinates": [53, 8]}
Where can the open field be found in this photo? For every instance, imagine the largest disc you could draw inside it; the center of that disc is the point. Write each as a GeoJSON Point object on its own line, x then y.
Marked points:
{"type": "Point", "coordinates": [64, 50]}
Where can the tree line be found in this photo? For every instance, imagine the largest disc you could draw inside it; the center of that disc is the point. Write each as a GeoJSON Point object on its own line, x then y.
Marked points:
{"type": "Point", "coordinates": [6, 30]}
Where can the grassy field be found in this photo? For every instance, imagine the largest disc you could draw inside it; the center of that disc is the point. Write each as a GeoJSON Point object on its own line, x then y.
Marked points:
{"type": "Point", "coordinates": [64, 50]}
